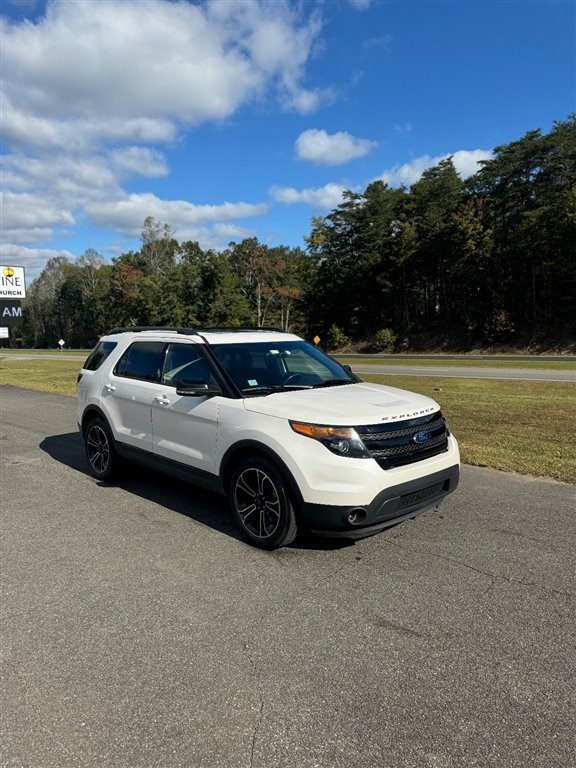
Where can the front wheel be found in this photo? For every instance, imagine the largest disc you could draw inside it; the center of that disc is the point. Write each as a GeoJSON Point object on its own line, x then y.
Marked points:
{"type": "Point", "coordinates": [261, 504]}
{"type": "Point", "coordinates": [100, 450]}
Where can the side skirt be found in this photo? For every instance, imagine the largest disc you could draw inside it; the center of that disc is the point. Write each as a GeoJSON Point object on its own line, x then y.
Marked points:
{"type": "Point", "coordinates": [172, 468]}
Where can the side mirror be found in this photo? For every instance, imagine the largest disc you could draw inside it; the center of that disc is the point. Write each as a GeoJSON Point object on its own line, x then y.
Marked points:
{"type": "Point", "coordinates": [196, 388]}
{"type": "Point", "coordinates": [350, 372]}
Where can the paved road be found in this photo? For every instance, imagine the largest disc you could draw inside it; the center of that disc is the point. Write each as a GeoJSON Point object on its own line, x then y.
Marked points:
{"type": "Point", "coordinates": [138, 631]}
{"type": "Point", "coordinates": [466, 356]}
{"type": "Point", "coordinates": [437, 371]}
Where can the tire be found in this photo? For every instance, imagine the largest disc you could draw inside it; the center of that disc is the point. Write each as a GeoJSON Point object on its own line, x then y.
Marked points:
{"type": "Point", "coordinates": [261, 504]}
{"type": "Point", "coordinates": [100, 450]}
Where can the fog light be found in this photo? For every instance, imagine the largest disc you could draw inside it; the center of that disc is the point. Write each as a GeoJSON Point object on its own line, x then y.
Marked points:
{"type": "Point", "coordinates": [356, 516]}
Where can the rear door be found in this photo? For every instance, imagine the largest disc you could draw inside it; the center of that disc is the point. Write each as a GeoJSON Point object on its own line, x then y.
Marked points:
{"type": "Point", "coordinates": [128, 392]}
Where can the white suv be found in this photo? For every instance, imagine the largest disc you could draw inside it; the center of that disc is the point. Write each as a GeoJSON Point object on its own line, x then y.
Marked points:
{"type": "Point", "coordinates": [291, 436]}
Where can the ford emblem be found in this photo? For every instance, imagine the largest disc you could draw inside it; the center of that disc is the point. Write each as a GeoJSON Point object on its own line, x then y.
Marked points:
{"type": "Point", "coordinates": [422, 437]}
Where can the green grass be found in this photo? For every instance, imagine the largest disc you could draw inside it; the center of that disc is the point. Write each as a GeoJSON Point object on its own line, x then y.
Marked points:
{"type": "Point", "coordinates": [516, 426]}
{"type": "Point", "coordinates": [45, 352]}
{"type": "Point", "coordinates": [50, 375]}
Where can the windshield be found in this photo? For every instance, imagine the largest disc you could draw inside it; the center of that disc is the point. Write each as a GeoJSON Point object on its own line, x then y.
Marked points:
{"type": "Point", "coordinates": [264, 367]}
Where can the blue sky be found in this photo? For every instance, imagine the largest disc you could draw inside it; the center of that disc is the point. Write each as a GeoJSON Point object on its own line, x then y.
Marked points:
{"type": "Point", "coordinates": [228, 119]}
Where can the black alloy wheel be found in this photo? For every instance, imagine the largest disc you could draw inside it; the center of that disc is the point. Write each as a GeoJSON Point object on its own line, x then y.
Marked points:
{"type": "Point", "coordinates": [100, 450]}
{"type": "Point", "coordinates": [261, 504]}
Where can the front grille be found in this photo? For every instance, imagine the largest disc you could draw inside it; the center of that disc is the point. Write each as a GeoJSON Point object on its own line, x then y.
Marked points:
{"type": "Point", "coordinates": [426, 493]}
{"type": "Point", "coordinates": [394, 445]}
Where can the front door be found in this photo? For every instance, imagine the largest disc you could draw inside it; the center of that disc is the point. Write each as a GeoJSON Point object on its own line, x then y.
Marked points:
{"type": "Point", "coordinates": [185, 428]}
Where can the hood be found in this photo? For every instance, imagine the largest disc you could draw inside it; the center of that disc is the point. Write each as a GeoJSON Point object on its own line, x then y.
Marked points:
{"type": "Point", "coordinates": [345, 405]}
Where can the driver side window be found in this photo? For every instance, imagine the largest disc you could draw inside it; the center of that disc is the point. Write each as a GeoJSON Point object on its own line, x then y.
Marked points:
{"type": "Point", "coordinates": [185, 361]}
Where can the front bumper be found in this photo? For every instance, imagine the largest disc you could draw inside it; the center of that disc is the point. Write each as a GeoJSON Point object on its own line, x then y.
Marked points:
{"type": "Point", "coordinates": [389, 507]}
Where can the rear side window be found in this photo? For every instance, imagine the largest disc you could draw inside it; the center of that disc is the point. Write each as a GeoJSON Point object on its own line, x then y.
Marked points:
{"type": "Point", "coordinates": [98, 355]}
{"type": "Point", "coordinates": [142, 360]}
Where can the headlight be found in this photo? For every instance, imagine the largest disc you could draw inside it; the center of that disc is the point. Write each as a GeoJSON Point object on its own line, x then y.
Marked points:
{"type": "Point", "coordinates": [343, 441]}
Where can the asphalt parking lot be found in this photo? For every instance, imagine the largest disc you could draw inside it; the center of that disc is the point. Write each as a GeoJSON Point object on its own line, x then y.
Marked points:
{"type": "Point", "coordinates": [138, 630]}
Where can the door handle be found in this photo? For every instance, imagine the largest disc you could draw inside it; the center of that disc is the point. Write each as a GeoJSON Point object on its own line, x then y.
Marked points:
{"type": "Point", "coordinates": [162, 400]}
{"type": "Point", "coordinates": [109, 387]}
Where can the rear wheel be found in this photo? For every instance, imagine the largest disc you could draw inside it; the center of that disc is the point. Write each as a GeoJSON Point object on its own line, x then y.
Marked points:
{"type": "Point", "coordinates": [100, 450]}
{"type": "Point", "coordinates": [261, 504]}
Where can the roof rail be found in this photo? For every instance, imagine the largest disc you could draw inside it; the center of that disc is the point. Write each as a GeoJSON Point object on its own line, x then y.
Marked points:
{"type": "Point", "coordinates": [239, 328]}
{"type": "Point", "coordinates": [140, 328]}
{"type": "Point", "coordinates": [192, 331]}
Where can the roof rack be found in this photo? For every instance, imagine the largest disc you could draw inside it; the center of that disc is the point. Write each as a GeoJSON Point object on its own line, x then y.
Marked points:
{"type": "Point", "coordinates": [240, 328]}
{"type": "Point", "coordinates": [142, 328]}
{"type": "Point", "coordinates": [191, 331]}
{"type": "Point", "coordinates": [188, 331]}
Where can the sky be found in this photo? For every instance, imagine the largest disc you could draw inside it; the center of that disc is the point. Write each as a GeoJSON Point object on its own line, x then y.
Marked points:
{"type": "Point", "coordinates": [228, 119]}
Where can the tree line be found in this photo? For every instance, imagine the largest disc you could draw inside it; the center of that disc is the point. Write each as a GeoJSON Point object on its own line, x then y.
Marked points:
{"type": "Point", "coordinates": [486, 261]}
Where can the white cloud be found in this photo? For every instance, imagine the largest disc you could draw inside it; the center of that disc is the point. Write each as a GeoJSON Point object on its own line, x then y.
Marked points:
{"type": "Point", "coordinates": [408, 173]}
{"type": "Point", "coordinates": [88, 88]}
{"type": "Point", "coordinates": [306, 102]}
{"type": "Point", "coordinates": [382, 41]}
{"type": "Point", "coordinates": [139, 160]}
{"type": "Point", "coordinates": [127, 214]}
{"type": "Point", "coordinates": [322, 198]}
{"type": "Point", "coordinates": [97, 63]}
{"type": "Point", "coordinates": [228, 232]}
{"type": "Point", "coordinates": [69, 180]}
{"type": "Point", "coordinates": [277, 45]}
{"type": "Point", "coordinates": [360, 5]}
{"type": "Point", "coordinates": [101, 59]}
{"type": "Point", "coordinates": [330, 196]}
{"type": "Point", "coordinates": [323, 148]}
{"type": "Point", "coordinates": [466, 163]}
{"type": "Point", "coordinates": [32, 259]}
{"type": "Point", "coordinates": [27, 218]}
{"type": "Point", "coordinates": [25, 131]}
{"type": "Point", "coordinates": [43, 195]}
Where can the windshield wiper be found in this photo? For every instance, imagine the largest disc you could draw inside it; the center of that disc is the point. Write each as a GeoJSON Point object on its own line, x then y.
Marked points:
{"type": "Point", "coordinates": [332, 383]}
{"type": "Point", "coordinates": [273, 388]}
{"type": "Point", "coordinates": [261, 389]}
{"type": "Point", "coordinates": [269, 389]}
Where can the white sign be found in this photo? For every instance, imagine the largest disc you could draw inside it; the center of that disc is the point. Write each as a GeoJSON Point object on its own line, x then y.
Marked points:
{"type": "Point", "coordinates": [12, 283]}
{"type": "Point", "coordinates": [4, 333]}
{"type": "Point", "coordinates": [61, 342]}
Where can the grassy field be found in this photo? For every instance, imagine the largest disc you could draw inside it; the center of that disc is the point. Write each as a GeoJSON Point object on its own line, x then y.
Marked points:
{"type": "Point", "coordinates": [83, 353]}
{"type": "Point", "coordinates": [515, 426]}
{"type": "Point", "coordinates": [50, 375]}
